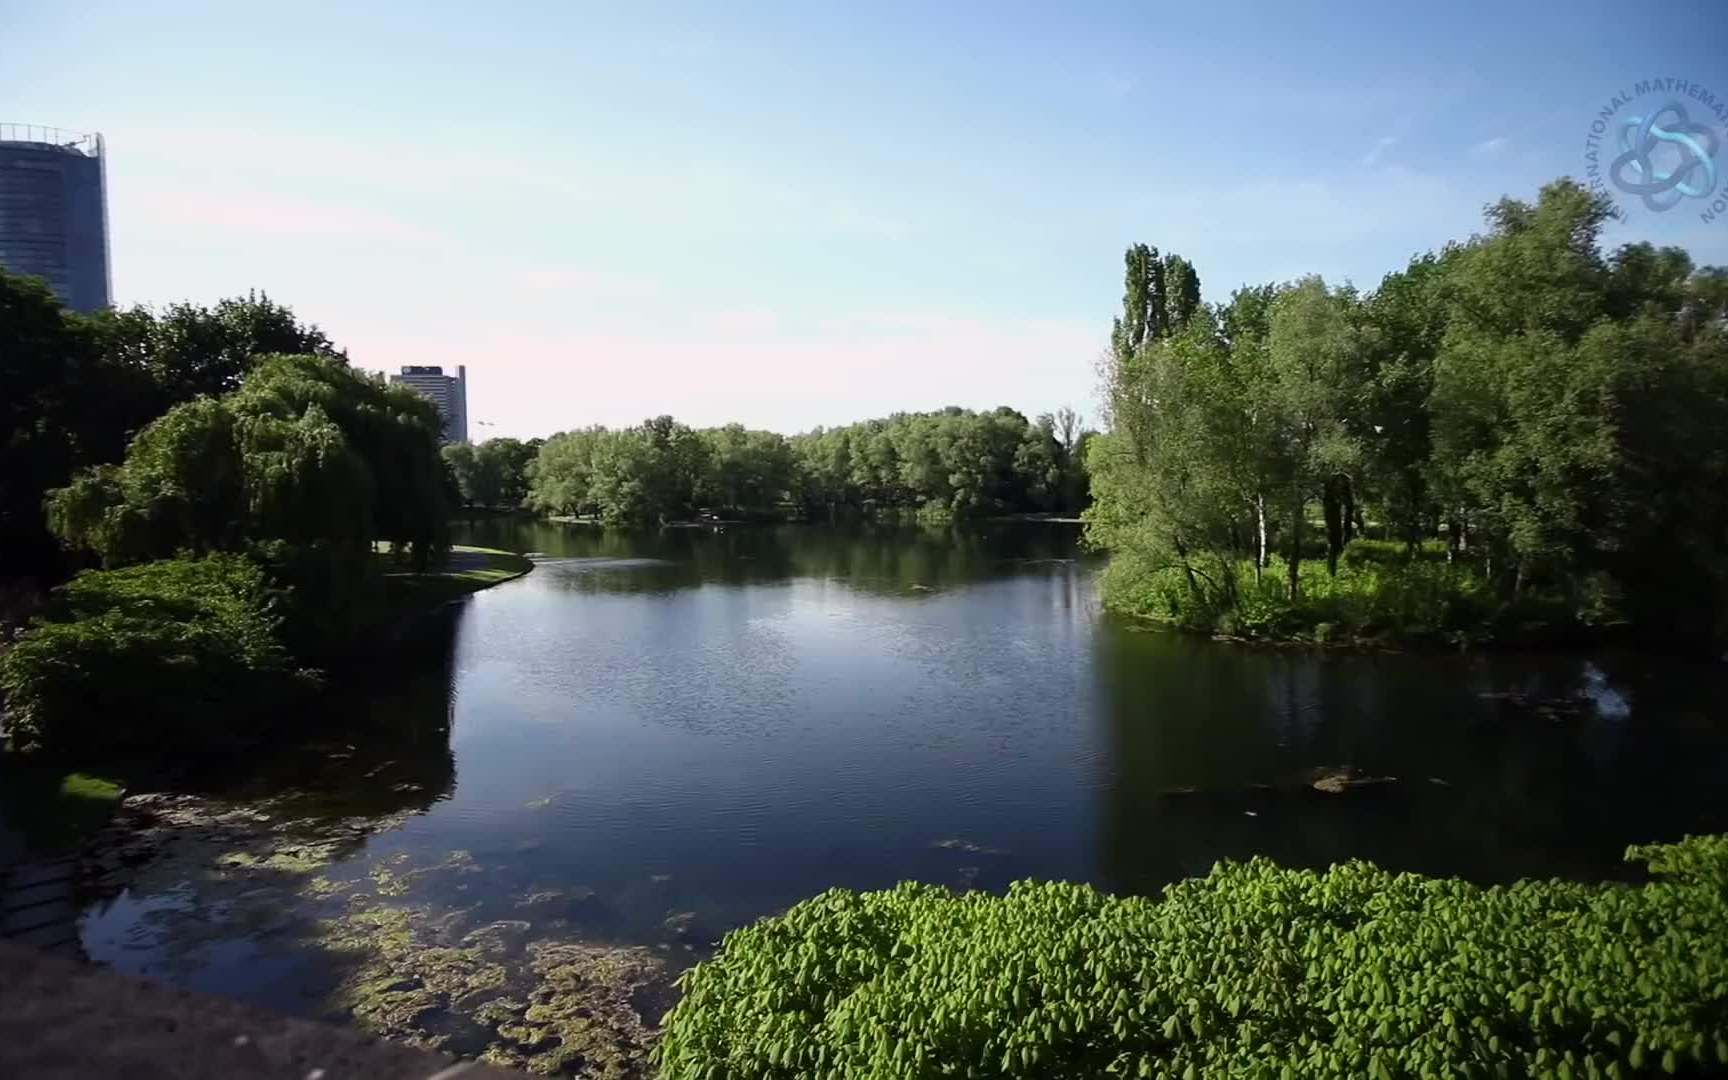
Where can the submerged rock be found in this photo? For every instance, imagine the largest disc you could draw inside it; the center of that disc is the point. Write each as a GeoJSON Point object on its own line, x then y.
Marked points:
{"type": "Point", "coordinates": [955, 844]}
{"type": "Point", "coordinates": [1340, 780]}
{"type": "Point", "coordinates": [1325, 780]}
{"type": "Point", "coordinates": [498, 938]}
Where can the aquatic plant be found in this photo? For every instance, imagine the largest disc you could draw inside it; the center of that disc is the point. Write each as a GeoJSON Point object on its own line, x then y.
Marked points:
{"type": "Point", "coordinates": [1256, 970]}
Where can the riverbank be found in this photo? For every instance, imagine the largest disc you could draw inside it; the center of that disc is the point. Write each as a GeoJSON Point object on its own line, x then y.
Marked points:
{"type": "Point", "coordinates": [47, 814]}
{"type": "Point", "coordinates": [467, 571]}
{"type": "Point", "coordinates": [1379, 597]}
{"type": "Point", "coordinates": [48, 808]}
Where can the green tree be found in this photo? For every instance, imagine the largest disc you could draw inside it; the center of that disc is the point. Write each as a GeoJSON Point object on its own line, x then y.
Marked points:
{"type": "Point", "coordinates": [63, 406]}
{"type": "Point", "coordinates": [1553, 409]}
{"type": "Point", "coordinates": [509, 460]}
{"type": "Point", "coordinates": [188, 349]}
{"type": "Point", "coordinates": [1316, 354]}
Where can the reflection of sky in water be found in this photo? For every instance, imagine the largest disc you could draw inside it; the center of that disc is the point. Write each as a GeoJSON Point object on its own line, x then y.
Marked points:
{"type": "Point", "coordinates": [1611, 703]}
{"type": "Point", "coordinates": [649, 728]}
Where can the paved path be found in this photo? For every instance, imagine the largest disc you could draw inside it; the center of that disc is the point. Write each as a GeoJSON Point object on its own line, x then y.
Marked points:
{"type": "Point", "coordinates": [36, 907]}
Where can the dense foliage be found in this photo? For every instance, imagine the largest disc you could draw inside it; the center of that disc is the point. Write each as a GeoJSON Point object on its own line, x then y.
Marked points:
{"type": "Point", "coordinates": [162, 658]}
{"type": "Point", "coordinates": [63, 405]}
{"type": "Point", "coordinates": [1254, 971]}
{"type": "Point", "coordinates": [494, 473]}
{"type": "Point", "coordinates": [946, 464]}
{"type": "Point", "coordinates": [305, 466]}
{"type": "Point", "coordinates": [1548, 414]}
{"type": "Point", "coordinates": [305, 450]}
{"type": "Point", "coordinates": [75, 389]}
{"type": "Point", "coordinates": [235, 495]}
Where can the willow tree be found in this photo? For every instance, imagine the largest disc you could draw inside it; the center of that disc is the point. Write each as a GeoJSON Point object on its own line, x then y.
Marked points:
{"type": "Point", "coordinates": [304, 466]}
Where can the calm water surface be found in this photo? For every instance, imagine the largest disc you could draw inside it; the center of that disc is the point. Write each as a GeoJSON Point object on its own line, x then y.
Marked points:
{"type": "Point", "coordinates": [717, 725]}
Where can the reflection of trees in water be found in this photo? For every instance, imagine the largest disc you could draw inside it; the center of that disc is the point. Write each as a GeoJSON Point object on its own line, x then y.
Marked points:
{"type": "Point", "coordinates": [380, 745]}
{"type": "Point", "coordinates": [868, 557]}
{"type": "Point", "coordinates": [236, 856]}
{"type": "Point", "coordinates": [1526, 792]}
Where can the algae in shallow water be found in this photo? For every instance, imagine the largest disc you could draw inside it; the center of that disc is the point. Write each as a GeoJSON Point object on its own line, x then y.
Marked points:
{"type": "Point", "coordinates": [547, 1007]}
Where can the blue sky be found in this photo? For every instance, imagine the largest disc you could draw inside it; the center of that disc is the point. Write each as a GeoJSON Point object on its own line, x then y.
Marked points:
{"type": "Point", "coordinates": [800, 214]}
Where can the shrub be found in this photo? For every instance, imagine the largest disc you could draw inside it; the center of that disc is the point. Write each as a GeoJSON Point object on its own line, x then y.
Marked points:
{"type": "Point", "coordinates": [1373, 593]}
{"type": "Point", "coordinates": [170, 657]}
{"type": "Point", "coordinates": [1253, 971]}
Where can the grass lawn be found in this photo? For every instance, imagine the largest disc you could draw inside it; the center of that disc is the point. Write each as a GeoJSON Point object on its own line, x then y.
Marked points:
{"type": "Point", "coordinates": [470, 569]}
{"type": "Point", "coordinates": [53, 810]}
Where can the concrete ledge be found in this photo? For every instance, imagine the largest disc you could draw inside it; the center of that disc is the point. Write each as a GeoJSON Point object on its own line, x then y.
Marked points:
{"type": "Point", "coordinates": [60, 1020]}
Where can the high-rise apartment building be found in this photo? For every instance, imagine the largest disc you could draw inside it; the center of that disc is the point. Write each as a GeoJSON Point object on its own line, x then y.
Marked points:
{"type": "Point", "coordinates": [54, 211]}
{"type": "Point", "coordinates": [449, 393]}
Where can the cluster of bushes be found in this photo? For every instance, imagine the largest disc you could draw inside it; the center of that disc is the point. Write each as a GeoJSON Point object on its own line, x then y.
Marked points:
{"type": "Point", "coordinates": [1253, 971]}
{"type": "Point", "coordinates": [166, 658]}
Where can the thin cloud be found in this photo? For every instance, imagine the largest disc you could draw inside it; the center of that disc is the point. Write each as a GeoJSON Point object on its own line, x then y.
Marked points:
{"type": "Point", "coordinates": [583, 279]}
{"type": "Point", "coordinates": [1378, 151]}
{"type": "Point", "coordinates": [649, 191]}
{"type": "Point", "coordinates": [755, 374]}
{"type": "Point", "coordinates": [375, 163]}
{"type": "Point", "coordinates": [1115, 87]}
{"type": "Point", "coordinates": [744, 320]}
{"type": "Point", "coordinates": [275, 215]}
{"type": "Point", "coordinates": [1489, 147]}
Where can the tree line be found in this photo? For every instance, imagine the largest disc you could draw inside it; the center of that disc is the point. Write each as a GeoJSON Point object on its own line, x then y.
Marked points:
{"type": "Point", "coordinates": [1521, 432]}
{"type": "Point", "coordinates": [947, 464]}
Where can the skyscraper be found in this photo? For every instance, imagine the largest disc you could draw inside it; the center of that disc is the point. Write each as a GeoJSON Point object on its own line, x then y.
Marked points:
{"type": "Point", "coordinates": [54, 211]}
{"type": "Point", "coordinates": [449, 393]}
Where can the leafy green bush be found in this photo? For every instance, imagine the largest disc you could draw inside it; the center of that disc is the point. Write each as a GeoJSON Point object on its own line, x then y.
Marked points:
{"type": "Point", "coordinates": [1253, 971]}
{"type": "Point", "coordinates": [1375, 594]}
{"type": "Point", "coordinates": [169, 657]}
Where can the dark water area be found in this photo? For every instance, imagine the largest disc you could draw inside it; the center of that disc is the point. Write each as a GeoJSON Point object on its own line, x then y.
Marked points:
{"type": "Point", "coordinates": [679, 732]}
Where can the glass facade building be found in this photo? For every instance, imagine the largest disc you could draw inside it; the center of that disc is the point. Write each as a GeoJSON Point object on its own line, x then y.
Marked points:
{"type": "Point", "coordinates": [449, 393]}
{"type": "Point", "coordinates": [54, 211]}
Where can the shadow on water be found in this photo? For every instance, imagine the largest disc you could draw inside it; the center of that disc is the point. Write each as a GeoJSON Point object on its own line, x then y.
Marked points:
{"type": "Point", "coordinates": [305, 882]}
{"type": "Point", "coordinates": [211, 882]}
{"type": "Point", "coordinates": [1504, 767]}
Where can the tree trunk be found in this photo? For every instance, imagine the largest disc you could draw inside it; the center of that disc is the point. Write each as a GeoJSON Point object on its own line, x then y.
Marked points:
{"type": "Point", "coordinates": [1294, 585]}
{"type": "Point", "coordinates": [1182, 553]}
{"type": "Point", "coordinates": [1262, 557]}
{"type": "Point", "coordinates": [1351, 512]}
{"type": "Point", "coordinates": [1332, 506]}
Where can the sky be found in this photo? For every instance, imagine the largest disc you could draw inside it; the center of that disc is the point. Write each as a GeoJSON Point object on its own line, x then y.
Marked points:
{"type": "Point", "coordinates": [799, 214]}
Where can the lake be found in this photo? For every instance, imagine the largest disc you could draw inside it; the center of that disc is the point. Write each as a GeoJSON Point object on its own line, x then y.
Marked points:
{"type": "Point", "coordinates": [651, 739]}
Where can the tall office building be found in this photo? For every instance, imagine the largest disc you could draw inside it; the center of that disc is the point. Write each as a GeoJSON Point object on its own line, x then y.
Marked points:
{"type": "Point", "coordinates": [449, 393]}
{"type": "Point", "coordinates": [54, 211]}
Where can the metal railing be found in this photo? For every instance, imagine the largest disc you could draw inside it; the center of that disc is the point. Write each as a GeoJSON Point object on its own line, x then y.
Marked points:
{"type": "Point", "coordinates": [59, 138]}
